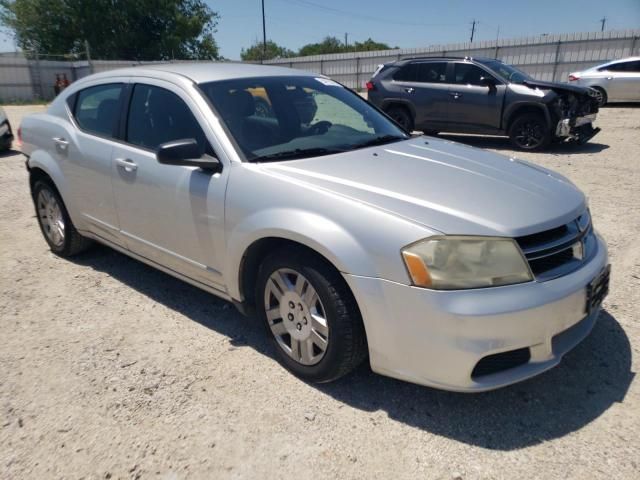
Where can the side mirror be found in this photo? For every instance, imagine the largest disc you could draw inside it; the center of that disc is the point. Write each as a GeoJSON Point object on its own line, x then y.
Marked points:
{"type": "Point", "coordinates": [186, 152]}
{"type": "Point", "coordinates": [488, 82]}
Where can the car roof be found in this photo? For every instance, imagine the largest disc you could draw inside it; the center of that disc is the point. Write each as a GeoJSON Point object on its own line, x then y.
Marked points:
{"type": "Point", "coordinates": [626, 59]}
{"type": "Point", "coordinates": [202, 72]}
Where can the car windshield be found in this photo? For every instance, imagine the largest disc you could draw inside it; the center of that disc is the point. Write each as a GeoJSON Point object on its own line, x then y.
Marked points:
{"type": "Point", "coordinates": [290, 117]}
{"type": "Point", "coordinates": [507, 72]}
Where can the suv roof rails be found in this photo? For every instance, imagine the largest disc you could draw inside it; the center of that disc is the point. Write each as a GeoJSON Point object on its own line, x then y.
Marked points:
{"type": "Point", "coordinates": [447, 57]}
{"type": "Point", "coordinates": [436, 57]}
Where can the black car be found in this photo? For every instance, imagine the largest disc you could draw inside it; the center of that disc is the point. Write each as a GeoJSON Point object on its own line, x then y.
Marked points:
{"type": "Point", "coordinates": [482, 96]}
{"type": "Point", "coordinates": [6, 134]}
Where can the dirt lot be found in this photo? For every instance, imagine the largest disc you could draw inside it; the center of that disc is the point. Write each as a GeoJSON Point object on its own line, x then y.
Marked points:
{"type": "Point", "coordinates": [110, 369]}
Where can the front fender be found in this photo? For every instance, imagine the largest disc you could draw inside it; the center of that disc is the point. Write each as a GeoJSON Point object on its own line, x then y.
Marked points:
{"type": "Point", "coordinates": [307, 228]}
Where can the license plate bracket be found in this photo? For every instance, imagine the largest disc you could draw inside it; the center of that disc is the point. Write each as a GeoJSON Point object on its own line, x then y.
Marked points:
{"type": "Point", "coordinates": [598, 289]}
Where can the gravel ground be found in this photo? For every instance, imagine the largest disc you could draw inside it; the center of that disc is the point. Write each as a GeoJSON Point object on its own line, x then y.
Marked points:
{"type": "Point", "coordinates": [110, 369]}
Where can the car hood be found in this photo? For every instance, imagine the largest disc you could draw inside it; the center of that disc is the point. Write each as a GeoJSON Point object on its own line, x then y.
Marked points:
{"type": "Point", "coordinates": [446, 186]}
{"type": "Point", "coordinates": [556, 87]}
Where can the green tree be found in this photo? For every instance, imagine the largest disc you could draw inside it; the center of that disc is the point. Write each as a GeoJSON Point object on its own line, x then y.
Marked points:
{"type": "Point", "coordinates": [255, 52]}
{"type": "Point", "coordinates": [115, 29]}
{"type": "Point", "coordinates": [368, 45]}
{"type": "Point", "coordinates": [334, 45]}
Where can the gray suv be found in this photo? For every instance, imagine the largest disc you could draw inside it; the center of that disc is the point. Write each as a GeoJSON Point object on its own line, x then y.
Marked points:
{"type": "Point", "coordinates": [482, 96]}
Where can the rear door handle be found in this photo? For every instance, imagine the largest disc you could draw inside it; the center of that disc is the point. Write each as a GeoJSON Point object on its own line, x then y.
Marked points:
{"type": "Point", "coordinates": [409, 89]}
{"type": "Point", "coordinates": [61, 143]}
{"type": "Point", "coordinates": [127, 164]}
{"type": "Point", "coordinates": [455, 95]}
{"type": "Point", "coordinates": [609, 78]}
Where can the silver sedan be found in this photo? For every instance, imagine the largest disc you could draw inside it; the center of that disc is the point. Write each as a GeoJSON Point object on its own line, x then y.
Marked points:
{"type": "Point", "coordinates": [441, 264]}
{"type": "Point", "coordinates": [615, 81]}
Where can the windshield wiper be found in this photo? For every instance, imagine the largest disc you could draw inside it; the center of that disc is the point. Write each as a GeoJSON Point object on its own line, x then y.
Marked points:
{"type": "Point", "coordinates": [295, 154]}
{"type": "Point", "coordinates": [384, 139]}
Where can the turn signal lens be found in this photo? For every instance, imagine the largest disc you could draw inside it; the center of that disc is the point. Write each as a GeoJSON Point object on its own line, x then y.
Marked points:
{"type": "Point", "coordinates": [417, 269]}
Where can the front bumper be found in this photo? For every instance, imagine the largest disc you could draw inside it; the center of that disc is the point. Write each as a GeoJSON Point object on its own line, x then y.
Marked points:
{"type": "Point", "coordinates": [436, 338]}
{"type": "Point", "coordinates": [578, 129]}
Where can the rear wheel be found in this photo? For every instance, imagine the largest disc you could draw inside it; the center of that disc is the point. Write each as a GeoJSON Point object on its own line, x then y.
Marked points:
{"type": "Point", "coordinates": [311, 316]}
{"type": "Point", "coordinates": [530, 131]}
{"type": "Point", "coordinates": [54, 221]}
{"type": "Point", "coordinates": [401, 116]}
{"type": "Point", "coordinates": [600, 96]}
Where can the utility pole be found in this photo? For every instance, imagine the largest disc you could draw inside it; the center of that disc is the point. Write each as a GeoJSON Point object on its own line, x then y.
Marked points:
{"type": "Point", "coordinates": [264, 35]}
{"type": "Point", "coordinates": [473, 30]}
{"type": "Point", "coordinates": [346, 40]}
{"type": "Point", "coordinates": [602, 21]}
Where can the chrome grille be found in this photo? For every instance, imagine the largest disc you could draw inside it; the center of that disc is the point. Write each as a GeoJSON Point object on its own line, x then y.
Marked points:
{"type": "Point", "coordinates": [560, 250]}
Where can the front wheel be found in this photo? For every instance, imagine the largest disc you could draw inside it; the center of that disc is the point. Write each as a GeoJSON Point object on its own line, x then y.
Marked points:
{"type": "Point", "coordinates": [55, 223]}
{"type": "Point", "coordinates": [311, 316]}
{"type": "Point", "coordinates": [529, 131]}
{"type": "Point", "coordinates": [401, 116]}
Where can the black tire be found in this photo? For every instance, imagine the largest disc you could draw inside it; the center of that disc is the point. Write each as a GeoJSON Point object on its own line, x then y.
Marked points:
{"type": "Point", "coordinates": [401, 116]}
{"type": "Point", "coordinates": [346, 340]}
{"type": "Point", "coordinates": [72, 243]}
{"type": "Point", "coordinates": [530, 131]}
{"type": "Point", "coordinates": [602, 96]}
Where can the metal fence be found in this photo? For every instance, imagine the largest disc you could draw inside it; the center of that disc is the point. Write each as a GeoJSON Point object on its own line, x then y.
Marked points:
{"type": "Point", "coordinates": [546, 57]}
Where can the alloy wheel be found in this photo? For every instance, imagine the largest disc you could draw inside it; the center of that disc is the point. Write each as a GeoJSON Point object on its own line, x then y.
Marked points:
{"type": "Point", "coordinates": [296, 316]}
{"type": "Point", "coordinates": [530, 134]}
{"type": "Point", "coordinates": [51, 218]}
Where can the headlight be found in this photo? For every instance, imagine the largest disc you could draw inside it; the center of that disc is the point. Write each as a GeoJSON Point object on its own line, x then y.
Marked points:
{"type": "Point", "coordinates": [459, 262]}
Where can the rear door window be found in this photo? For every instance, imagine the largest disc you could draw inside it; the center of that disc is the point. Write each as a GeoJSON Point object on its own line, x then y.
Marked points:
{"type": "Point", "coordinates": [424, 72]}
{"type": "Point", "coordinates": [432, 72]}
{"type": "Point", "coordinates": [96, 108]}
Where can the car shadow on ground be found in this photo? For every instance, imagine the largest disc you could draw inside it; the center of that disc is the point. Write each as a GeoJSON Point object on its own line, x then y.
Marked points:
{"type": "Point", "coordinates": [502, 143]}
{"type": "Point", "coordinates": [9, 153]}
{"type": "Point", "coordinates": [591, 378]}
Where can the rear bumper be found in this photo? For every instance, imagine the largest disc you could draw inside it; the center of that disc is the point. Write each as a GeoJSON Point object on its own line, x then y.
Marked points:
{"type": "Point", "coordinates": [437, 338]}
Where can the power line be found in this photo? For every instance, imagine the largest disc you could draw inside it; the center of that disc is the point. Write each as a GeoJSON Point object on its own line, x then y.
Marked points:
{"type": "Point", "coordinates": [337, 11]}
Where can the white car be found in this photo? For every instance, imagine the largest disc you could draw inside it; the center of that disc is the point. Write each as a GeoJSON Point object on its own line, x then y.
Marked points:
{"type": "Point", "coordinates": [615, 81]}
{"type": "Point", "coordinates": [6, 134]}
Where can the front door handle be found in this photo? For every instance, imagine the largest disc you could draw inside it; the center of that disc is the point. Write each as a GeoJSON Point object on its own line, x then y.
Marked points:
{"type": "Point", "coordinates": [127, 164]}
{"type": "Point", "coordinates": [409, 89]}
{"type": "Point", "coordinates": [609, 78]}
{"type": "Point", "coordinates": [455, 95]}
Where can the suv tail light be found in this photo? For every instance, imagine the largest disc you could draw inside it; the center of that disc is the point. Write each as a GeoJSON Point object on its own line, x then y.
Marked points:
{"type": "Point", "coordinates": [370, 86]}
{"type": "Point", "coordinates": [573, 78]}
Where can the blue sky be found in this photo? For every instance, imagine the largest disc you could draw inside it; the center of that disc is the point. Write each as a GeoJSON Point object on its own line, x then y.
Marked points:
{"type": "Point", "coordinates": [407, 23]}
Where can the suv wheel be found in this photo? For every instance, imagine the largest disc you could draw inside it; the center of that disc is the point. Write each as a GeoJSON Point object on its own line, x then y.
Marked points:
{"type": "Point", "coordinates": [54, 221]}
{"type": "Point", "coordinates": [311, 316]}
{"type": "Point", "coordinates": [401, 116]}
{"type": "Point", "coordinates": [529, 131]}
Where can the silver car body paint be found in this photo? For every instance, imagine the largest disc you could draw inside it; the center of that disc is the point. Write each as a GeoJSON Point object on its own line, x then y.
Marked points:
{"type": "Point", "coordinates": [357, 209]}
{"type": "Point", "coordinates": [620, 86]}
